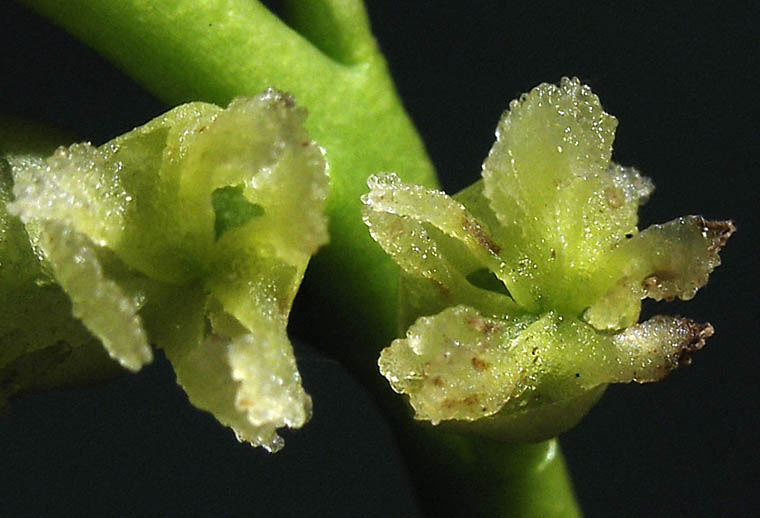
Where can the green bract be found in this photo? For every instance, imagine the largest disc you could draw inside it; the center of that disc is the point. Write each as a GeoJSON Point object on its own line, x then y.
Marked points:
{"type": "Point", "coordinates": [192, 233]}
{"type": "Point", "coordinates": [530, 281]}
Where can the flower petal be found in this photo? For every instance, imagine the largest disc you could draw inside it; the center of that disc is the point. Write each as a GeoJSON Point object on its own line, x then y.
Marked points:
{"type": "Point", "coordinates": [457, 365]}
{"type": "Point", "coordinates": [561, 202]}
{"type": "Point", "coordinates": [104, 308]}
{"type": "Point", "coordinates": [437, 243]}
{"type": "Point", "coordinates": [526, 378]}
{"type": "Point", "coordinates": [77, 186]}
{"type": "Point", "coordinates": [664, 261]}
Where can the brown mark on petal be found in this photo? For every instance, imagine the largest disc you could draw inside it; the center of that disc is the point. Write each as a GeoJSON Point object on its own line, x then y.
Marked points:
{"type": "Point", "coordinates": [284, 99]}
{"type": "Point", "coordinates": [442, 290]}
{"type": "Point", "coordinates": [483, 326]}
{"type": "Point", "coordinates": [613, 197]}
{"type": "Point", "coordinates": [536, 357]}
{"type": "Point", "coordinates": [697, 335]}
{"type": "Point", "coordinates": [479, 365]}
{"type": "Point", "coordinates": [470, 400]}
{"type": "Point", "coordinates": [717, 230]}
{"type": "Point", "coordinates": [654, 282]}
{"type": "Point", "coordinates": [483, 239]}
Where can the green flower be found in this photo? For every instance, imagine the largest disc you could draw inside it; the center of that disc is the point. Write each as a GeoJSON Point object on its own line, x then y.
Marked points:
{"type": "Point", "coordinates": [191, 233]}
{"type": "Point", "coordinates": [522, 293]}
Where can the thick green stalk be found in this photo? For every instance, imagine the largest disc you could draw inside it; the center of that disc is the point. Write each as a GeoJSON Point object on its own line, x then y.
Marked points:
{"type": "Point", "coordinates": [475, 477]}
{"type": "Point", "coordinates": [214, 50]}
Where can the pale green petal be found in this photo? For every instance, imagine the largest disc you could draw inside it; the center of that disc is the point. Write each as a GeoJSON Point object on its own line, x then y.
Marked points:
{"type": "Point", "coordinates": [528, 378]}
{"type": "Point", "coordinates": [240, 387]}
{"type": "Point", "coordinates": [41, 343]}
{"type": "Point", "coordinates": [247, 381]}
{"type": "Point", "coordinates": [76, 186]}
{"type": "Point", "coordinates": [515, 267]}
{"type": "Point", "coordinates": [548, 138]}
{"type": "Point", "coordinates": [389, 195]}
{"type": "Point", "coordinates": [255, 294]}
{"type": "Point", "coordinates": [259, 144]}
{"type": "Point", "coordinates": [254, 289]}
{"type": "Point", "coordinates": [269, 391]}
{"type": "Point", "coordinates": [34, 312]}
{"type": "Point", "coordinates": [201, 362]}
{"type": "Point", "coordinates": [676, 258]}
{"type": "Point", "coordinates": [562, 203]}
{"type": "Point", "coordinates": [650, 350]}
{"type": "Point", "coordinates": [436, 242]}
{"type": "Point", "coordinates": [162, 238]}
{"type": "Point", "coordinates": [457, 365]}
{"type": "Point", "coordinates": [664, 261]}
{"type": "Point", "coordinates": [107, 311]}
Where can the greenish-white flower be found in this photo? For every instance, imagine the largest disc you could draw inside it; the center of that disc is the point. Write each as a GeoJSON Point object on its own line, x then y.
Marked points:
{"type": "Point", "coordinates": [520, 296]}
{"type": "Point", "coordinates": [191, 233]}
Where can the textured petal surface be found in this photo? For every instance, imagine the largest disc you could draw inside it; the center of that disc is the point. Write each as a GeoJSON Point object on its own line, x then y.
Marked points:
{"type": "Point", "coordinates": [31, 347]}
{"type": "Point", "coordinates": [259, 143]}
{"type": "Point", "coordinates": [457, 365]}
{"type": "Point", "coordinates": [460, 365]}
{"type": "Point", "coordinates": [437, 243]}
{"type": "Point", "coordinates": [100, 303]}
{"type": "Point", "coordinates": [664, 261]}
{"type": "Point", "coordinates": [561, 202]}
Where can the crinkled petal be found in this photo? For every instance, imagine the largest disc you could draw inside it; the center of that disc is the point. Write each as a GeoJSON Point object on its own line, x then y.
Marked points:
{"type": "Point", "coordinates": [436, 242]}
{"type": "Point", "coordinates": [650, 350]}
{"type": "Point", "coordinates": [530, 377]}
{"type": "Point", "coordinates": [27, 291]}
{"type": "Point", "coordinates": [100, 303]}
{"type": "Point", "coordinates": [162, 238]}
{"type": "Point", "coordinates": [77, 186]}
{"type": "Point", "coordinates": [548, 138]}
{"type": "Point", "coordinates": [254, 293]}
{"type": "Point", "coordinates": [389, 195]}
{"type": "Point", "coordinates": [247, 381]}
{"type": "Point", "coordinates": [562, 203]}
{"type": "Point", "coordinates": [260, 144]}
{"type": "Point", "coordinates": [664, 261]}
{"type": "Point", "coordinates": [457, 365]}
{"type": "Point", "coordinates": [200, 216]}
{"type": "Point", "coordinates": [269, 391]}
{"type": "Point", "coordinates": [675, 259]}
{"type": "Point", "coordinates": [225, 377]}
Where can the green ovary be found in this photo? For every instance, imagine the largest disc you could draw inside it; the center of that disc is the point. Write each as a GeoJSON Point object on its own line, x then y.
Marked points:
{"type": "Point", "coordinates": [191, 233]}
{"type": "Point", "coordinates": [555, 222]}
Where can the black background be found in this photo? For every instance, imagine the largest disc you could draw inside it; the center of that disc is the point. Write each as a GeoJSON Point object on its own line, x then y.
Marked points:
{"type": "Point", "coordinates": [677, 77]}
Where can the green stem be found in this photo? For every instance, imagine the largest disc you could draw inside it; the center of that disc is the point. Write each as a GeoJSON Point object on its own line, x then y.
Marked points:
{"type": "Point", "coordinates": [214, 50]}
{"type": "Point", "coordinates": [471, 476]}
